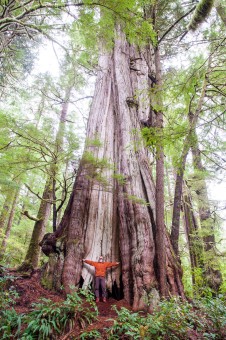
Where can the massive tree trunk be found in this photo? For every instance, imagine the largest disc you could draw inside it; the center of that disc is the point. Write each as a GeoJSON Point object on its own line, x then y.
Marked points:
{"type": "Point", "coordinates": [112, 208]}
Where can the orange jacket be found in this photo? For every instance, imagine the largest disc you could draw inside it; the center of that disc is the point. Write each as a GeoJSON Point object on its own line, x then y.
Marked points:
{"type": "Point", "coordinates": [101, 267]}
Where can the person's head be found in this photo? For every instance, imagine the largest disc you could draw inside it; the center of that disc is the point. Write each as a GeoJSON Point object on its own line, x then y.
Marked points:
{"type": "Point", "coordinates": [101, 259]}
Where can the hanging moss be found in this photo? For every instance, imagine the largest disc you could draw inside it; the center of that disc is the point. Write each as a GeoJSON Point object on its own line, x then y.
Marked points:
{"type": "Point", "coordinates": [202, 11]}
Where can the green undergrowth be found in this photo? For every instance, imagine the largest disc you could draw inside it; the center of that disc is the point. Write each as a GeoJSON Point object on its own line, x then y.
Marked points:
{"type": "Point", "coordinates": [47, 319]}
{"type": "Point", "coordinates": [204, 318]}
{"type": "Point", "coordinates": [173, 319]}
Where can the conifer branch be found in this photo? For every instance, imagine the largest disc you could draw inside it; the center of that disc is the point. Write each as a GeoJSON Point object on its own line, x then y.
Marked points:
{"type": "Point", "coordinates": [175, 23]}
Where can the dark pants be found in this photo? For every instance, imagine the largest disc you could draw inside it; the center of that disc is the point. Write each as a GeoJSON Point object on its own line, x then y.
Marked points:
{"type": "Point", "coordinates": [100, 281]}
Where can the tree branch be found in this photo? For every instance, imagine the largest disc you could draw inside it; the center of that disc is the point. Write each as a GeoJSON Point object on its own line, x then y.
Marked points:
{"type": "Point", "coordinates": [175, 23]}
{"type": "Point", "coordinates": [26, 213]}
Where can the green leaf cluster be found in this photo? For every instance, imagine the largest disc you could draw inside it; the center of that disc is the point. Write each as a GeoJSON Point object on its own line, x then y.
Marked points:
{"type": "Point", "coordinates": [97, 23]}
{"type": "Point", "coordinates": [136, 200]}
{"type": "Point", "coordinates": [49, 319]}
{"type": "Point", "coordinates": [8, 295]}
{"type": "Point", "coordinates": [172, 318]}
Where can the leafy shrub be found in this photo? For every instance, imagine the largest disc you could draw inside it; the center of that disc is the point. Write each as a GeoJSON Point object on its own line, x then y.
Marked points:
{"type": "Point", "coordinates": [129, 325]}
{"type": "Point", "coordinates": [7, 293]}
{"type": "Point", "coordinates": [10, 323]}
{"type": "Point", "coordinates": [94, 334]}
{"type": "Point", "coordinates": [215, 312]}
{"type": "Point", "coordinates": [173, 319]}
{"type": "Point", "coordinates": [49, 319]}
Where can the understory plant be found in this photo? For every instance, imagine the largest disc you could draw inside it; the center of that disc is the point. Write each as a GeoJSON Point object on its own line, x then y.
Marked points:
{"type": "Point", "coordinates": [48, 319]}
{"type": "Point", "coordinates": [7, 292]}
{"type": "Point", "coordinates": [94, 334]}
{"type": "Point", "coordinates": [10, 324]}
{"type": "Point", "coordinates": [172, 319]}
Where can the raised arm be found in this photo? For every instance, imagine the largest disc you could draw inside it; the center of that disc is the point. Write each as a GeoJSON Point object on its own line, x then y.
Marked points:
{"type": "Point", "coordinates": [91, 263]}
{"type": "Point", "coordinates": [112, 264]}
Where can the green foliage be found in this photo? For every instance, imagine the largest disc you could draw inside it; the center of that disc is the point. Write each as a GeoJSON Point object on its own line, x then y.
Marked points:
{"type": "Point", "coordinates": [215, 310]}
{"type": "Point", "coordinates": [172, 318]}
{"type": "Point", "coordinates": [55, 318]}
{"type": "Point", "coordinates": [98, 163]}
{"type": "Point", "coordinates": [96, 142]}
{"type": "Point", "coordinates": [49, 319]}
{"type": "Point", "coordinates": [7, 296]}
{"type": "Point", "coordinates": [10, 324]}
{"type": "Point", "coordinates": [10, 321]}
{"type": "Point", "coordinates": [97, 23]}
{"type": "Point", "coordinates": [136, 199]}
{"type": "Point", "coordinates": [119, 178]}
{"type": "Point", "coordinates": [168, 136]}
{"type": "Point", "coordinates": [95, 167]}
{"type": "Point", "coordinates": [127, 324]}
{"type": "Point", "coordinates": [94, 334]}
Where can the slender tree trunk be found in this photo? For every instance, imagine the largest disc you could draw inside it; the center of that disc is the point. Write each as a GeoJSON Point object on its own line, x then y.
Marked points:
{"type": "Point", "coordinates": [58, 150]}
{"type": "Point", "coordinates": [33, 253]}
{"type": "Point", "coordinates": [5, 211]}
{"type": "Point", "coordinates": [203, 200]}
{"type": "Point", "coordinates": [193, 118]}
{"type": "Point", "coordinates": [9, 223]}
{"type": "Point", "coordinates": [213, 275]}
{"type": "Point", "coordinates": [63, 196]}
{"type": "Point", "coordinates": [106, 216]}
{"type": "Point", "coordinates": [177, 196]}
{"type": "Point", "coordinates": [195, 244]}
{"type": "Point", "coordinates": [169, 184]}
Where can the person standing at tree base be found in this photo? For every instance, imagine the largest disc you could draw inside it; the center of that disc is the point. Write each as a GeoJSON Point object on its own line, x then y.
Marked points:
{"type": "Point", "coordinates": [100, 273]}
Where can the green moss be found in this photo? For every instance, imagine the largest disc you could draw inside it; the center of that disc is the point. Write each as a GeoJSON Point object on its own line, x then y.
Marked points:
{"type": "Point", "coordinates": [202, 11]}
{"type": "Point", "coordinates": [46, 282]}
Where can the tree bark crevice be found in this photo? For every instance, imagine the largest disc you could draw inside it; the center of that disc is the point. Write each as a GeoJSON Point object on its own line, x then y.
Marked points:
{"type": "Point", "coordinates": [106, 217]}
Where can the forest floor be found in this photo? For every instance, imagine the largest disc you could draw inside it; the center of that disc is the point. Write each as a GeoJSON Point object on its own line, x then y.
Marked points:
{"type": "Point", "coordinates": [31, 291]}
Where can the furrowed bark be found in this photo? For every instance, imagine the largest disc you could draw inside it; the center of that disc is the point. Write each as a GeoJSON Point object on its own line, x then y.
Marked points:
{"type": "Point", "coordinates": [108, 215]}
